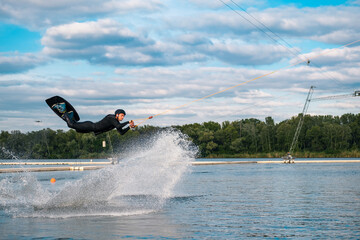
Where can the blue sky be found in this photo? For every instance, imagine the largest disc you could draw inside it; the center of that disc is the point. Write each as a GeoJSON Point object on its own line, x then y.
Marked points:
{"type": "Point", "coordinates": [150, 56]}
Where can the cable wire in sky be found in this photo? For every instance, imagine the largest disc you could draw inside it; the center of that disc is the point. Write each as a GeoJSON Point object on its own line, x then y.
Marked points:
{"type": "Point", "coordinates": [283, 42]}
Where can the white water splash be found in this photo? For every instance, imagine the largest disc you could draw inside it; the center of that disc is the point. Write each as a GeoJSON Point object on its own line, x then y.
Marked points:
{"type": "Point", "coordinates": [9, 153]}
{"type": "Point", "coordinates": [141, 183]}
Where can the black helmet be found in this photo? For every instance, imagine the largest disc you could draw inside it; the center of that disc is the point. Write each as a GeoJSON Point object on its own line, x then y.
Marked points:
{"type": "Point", "coordinates": [120, 111]}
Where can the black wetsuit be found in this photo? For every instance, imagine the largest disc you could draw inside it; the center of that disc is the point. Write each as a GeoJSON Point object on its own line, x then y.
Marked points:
{"type": "Point", "coordinates": [106, 124]}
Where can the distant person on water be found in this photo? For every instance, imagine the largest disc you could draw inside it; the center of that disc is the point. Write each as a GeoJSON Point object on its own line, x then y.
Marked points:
{"type": "Point", "coordinates": [108, 123]}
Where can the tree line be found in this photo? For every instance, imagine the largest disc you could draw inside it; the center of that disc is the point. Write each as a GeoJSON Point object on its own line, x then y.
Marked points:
{"type": "Point", "coordinates": [320, 136]}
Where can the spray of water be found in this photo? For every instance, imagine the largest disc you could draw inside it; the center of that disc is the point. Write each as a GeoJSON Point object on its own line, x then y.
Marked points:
{"type": "Point", "coordinates": [141, 183]}
{"type": "Point", "coordinates": [9, 153]}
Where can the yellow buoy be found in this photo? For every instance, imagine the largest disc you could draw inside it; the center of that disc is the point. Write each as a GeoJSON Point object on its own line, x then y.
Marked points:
{"type": "Point", "coordinates": [52, 180]}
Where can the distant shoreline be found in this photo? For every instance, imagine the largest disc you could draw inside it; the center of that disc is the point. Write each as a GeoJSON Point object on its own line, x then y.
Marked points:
{"type": "Point", "coordinates": [345, 154]}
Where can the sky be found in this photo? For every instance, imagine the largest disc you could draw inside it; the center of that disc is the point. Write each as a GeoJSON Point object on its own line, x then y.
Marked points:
{"type": "Point", "coordinates": [147, 57]}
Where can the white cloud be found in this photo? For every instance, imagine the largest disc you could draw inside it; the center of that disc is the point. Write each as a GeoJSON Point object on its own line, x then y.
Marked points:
{"type": "Point", "coordinates": [149, 91]}
{"type": "Point", "coordinates": [239, 53]}
{"type": "Point", "coordinates": [220, 4]}
{"type": "Point", "coordinates": [40, 13]}
{"type": "Point", "coordinates": [81, 35]}
{"type": "Point", "coordinates": [329, 24]}
{"type": "Point", "coordinates": [149, 57]}
{"type": "Point", "coordinates": [335, 56]}
{"type": "Point", "coordinates": [348, 105]}
{"type": "Point", "coordinates": [108, 42]}
{"type": "Point", "coordinates": [17, 62]}
{"type": "Point", "coordinates": [206, 37]}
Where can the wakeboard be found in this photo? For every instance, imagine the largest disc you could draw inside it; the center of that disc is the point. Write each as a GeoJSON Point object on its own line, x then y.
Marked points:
{"type": "Point", "coordinates": [61, 106]}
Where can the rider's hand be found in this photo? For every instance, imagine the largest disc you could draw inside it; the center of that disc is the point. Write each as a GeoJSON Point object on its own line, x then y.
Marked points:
{"type": "Point", "coordinates": [132, 125]}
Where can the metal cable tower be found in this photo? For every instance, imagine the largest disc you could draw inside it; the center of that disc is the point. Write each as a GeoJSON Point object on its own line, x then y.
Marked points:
{"type": "Point", "coordinates": [289, 158]}
{"type": "Point", "coordinates": [301, 120]}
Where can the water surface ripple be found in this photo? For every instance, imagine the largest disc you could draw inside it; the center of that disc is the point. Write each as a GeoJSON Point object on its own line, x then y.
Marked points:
{"type": "Point", "coordinates": [247, 201]}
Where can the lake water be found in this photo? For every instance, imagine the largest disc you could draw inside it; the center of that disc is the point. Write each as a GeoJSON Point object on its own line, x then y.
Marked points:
{"type": "Point", "coordinates": [156, 194]}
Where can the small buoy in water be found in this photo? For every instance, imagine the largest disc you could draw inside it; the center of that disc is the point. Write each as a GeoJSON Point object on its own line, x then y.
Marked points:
{"type": "Point", "coordinates": [52, 180]}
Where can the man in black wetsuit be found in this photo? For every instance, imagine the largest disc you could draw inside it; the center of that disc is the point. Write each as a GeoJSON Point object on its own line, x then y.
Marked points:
{"type": "Point", "coordinates": [108, 123]}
